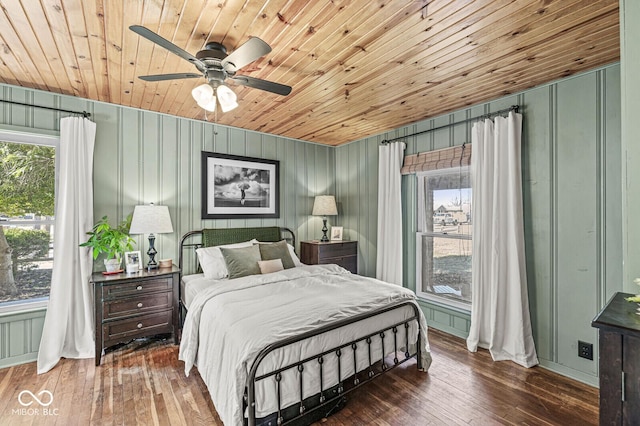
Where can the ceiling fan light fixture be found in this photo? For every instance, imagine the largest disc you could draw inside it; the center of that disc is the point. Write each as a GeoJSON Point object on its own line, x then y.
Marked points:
{"type": "Point", "coordinates": [202, 93]}
{"type": "Point", "coordinates": [226, 97]}
{"type": "Point", "coordinates": [209, 105]}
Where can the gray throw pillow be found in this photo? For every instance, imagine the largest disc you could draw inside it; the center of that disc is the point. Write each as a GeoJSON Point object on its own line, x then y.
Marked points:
{"type": "Point", "coordinates": [241, 261]}
{"type": "Point", "coordinates": [279, 250]}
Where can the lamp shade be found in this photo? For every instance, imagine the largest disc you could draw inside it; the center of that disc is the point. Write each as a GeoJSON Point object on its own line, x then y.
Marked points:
{"type": "Point", "coordinates": [202, 93]}
{"type": "Point", "coordinates": [324, 205]}
{"type": "Point", "coordinates": [227, 98]}
{"type": "Point", "coordinates": [151, 219]}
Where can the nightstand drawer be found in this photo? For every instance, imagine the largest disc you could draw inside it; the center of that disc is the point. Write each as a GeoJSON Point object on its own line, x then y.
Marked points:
{"type": "Point", "coordinates": [337, 249]}
{"type": "Point", "coordinates": [136, 287]}
{"type": "Point", "coordinates": [349, 263]}
{"type": "Point", "coordinates": [342, 253]}
{"type": "Point", "coordinates": [143, 325]}
{"type": "Point", "coordinates": [135, 305]}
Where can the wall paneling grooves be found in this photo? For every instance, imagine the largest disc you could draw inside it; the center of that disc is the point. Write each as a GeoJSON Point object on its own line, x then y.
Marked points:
{"type": "Point", "coordinates": [143, 157]}
{"type": "Point", "coordinates": [571, 162]}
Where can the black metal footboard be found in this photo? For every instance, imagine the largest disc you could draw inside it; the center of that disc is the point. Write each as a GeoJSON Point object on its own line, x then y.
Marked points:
{"type": "Point", "coordinates": [344, 353]}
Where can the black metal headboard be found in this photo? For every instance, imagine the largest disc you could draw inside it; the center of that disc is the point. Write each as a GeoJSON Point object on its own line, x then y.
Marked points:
{"type": "Point", "coordinates": [219, 236]}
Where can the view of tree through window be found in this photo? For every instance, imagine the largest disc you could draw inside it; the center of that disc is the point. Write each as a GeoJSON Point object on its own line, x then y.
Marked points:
{"type": "Point", "coordinates": [27, 203]}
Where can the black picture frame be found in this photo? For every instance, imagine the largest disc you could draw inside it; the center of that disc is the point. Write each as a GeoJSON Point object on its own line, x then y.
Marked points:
{"type": "Point", "coordinates": [236, 187]}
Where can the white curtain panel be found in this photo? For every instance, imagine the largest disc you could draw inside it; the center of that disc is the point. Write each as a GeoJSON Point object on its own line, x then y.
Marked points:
{"type": "Point", "coordinates": [389, 256]}
{"type": "Point", "coordinates": [500, 320]}
{"type": "Point", "coordinates": [68, 325]}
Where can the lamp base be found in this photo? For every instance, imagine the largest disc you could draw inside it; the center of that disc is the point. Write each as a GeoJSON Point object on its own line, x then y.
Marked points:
{"type": "Point", "coordinates": [152, 253]}
{"type": "Point", "coordinates": [324, 238]}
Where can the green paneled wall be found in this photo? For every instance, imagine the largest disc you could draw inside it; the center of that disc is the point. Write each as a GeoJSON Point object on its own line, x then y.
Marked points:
{"type": "Point", "coordinates": [572, 204]}
{"type": "Point", "coordinates": [143, 157]}
{"type": "Point", "coordinates": [630, 66]}
{"type": "Point", "coordinates": [572, 195]}
{"type": "Point", "coordinates": [20, 335]}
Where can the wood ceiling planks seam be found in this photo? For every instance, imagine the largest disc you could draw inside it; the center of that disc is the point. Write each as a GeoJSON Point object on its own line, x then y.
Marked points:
{"type": "Point", "coordinates": [357, 67]}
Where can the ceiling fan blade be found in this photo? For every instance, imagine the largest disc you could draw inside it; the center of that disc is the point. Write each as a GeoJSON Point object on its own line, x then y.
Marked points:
{"type": "Point", "coordinates": [256, 83]}
{"type": "Point", "coordinates": [163, 42]}
{"type": "Point", "coordinates": [253, 49]}
{"type": "Point", "coordinates": [162, 77]}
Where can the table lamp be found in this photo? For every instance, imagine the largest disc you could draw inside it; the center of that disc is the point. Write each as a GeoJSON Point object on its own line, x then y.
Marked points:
{"type": "Point", "coordinates": [324, 205]}
{"type": "Point", "coordinates": [151, 219]}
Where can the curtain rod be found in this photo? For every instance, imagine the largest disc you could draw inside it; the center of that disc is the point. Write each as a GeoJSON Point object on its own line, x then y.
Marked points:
{"type": "Point", "coordinates": [84, 113]}
{"type": "Point", "coordinates": [488, 115]}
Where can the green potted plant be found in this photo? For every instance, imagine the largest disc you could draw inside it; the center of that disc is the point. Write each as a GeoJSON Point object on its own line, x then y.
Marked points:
{"type": "Point", "coordinates": [112, 241]}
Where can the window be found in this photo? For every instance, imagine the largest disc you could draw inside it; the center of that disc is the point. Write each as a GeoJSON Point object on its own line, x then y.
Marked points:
{"type": "Point", "coordinates": [27, 205]}
{"type": "Point", "coordinates": [443, 241]}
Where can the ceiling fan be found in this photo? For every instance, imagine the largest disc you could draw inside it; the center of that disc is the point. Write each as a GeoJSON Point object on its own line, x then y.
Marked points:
{"type": "Point", "coordinates": [216, 66]}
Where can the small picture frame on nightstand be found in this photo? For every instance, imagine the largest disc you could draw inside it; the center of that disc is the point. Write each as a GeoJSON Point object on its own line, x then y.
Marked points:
{"type": "Point", "coordinates": [336, 233]}
{"type": "Point", "coordinates": [132, 261]}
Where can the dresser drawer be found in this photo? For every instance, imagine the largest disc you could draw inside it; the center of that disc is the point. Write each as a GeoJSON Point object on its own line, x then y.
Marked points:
{"type": "Point", "coordinates": [138, 326]}
{"type": "Point", "coordinates": [132, 288]}
{"type": "Point", "coordinates": [349, 263]}
{"type": "Point", "coordinates": [137, 304]}
{"type": "Point", "coordinates": [337, 249]}
{"type": "Point", "coordinates": [342, 253]}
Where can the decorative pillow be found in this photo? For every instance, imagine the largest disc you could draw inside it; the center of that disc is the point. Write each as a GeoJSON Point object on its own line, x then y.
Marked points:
{"type": "Point", "coordinates": [277, 250]}
{"type": "Point", "coordinates": [292, 253]}
{"type": "Point", "coordinates": [211, 260]}
{"type": "Point", "coordinates": [241, 261]}
{"type": "Point", "coordinates": [269, 266]}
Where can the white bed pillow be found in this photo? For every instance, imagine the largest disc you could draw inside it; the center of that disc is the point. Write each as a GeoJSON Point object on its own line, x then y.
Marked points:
{"type": "Point", "coordinates": [212, 262]}
{"type": "Point", "coordinates": [294, 257]}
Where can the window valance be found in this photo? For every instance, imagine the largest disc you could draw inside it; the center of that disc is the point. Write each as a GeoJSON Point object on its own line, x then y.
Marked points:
{"type": "Point", "coordinates": [440, 159]}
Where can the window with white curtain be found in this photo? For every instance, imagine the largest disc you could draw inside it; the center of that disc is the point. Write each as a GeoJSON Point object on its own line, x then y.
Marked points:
{"type": "Point", "coordinates": [443, 240]}
{"type": "Point", "coordinates": [27, 206]}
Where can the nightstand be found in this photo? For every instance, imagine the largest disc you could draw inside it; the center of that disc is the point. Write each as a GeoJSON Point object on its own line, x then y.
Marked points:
{"type": "Point", "coordinates": [343, 253]}
{"type": "Point", "coordinates": [130, 306]}
{"type": "Point", "coordinates": [619, 361]}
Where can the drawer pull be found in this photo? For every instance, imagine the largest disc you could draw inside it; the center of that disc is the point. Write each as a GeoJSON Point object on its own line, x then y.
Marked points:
{"type": "Point", "coordinates": [140, 305]}
{"type": "Point", "coordinates": [139, 325]}
{"type": "Point", "coordinates": [139, 287]}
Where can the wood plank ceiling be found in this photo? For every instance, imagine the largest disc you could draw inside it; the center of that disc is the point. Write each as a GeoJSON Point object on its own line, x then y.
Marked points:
{"type": "Point", "coordinates": [357, 67]}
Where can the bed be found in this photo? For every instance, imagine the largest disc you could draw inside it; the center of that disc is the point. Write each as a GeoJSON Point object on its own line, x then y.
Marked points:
{"type": "Point", "coordinates": [285, 347]}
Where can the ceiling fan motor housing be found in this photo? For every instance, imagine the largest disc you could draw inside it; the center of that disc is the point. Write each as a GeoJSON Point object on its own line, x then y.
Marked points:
{"type": "Point", "coordinates": [212, 56]}
{"type": "Point", "coordinates": [215, 76]}
{"type": "Point", "coordinates": [212, 50]}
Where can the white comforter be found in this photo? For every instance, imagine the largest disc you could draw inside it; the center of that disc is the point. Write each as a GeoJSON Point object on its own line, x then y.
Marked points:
{"type": "Point", "coordinates": [231, 321]}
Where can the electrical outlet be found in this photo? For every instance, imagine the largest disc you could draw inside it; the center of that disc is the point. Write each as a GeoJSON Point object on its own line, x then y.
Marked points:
{"type": "Point", "coordinates": [585, 350]}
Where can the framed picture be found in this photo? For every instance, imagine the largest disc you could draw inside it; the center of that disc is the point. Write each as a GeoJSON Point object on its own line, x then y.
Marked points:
{"type": "Point", "coordinates": [132, 261]}
{"type": "Point", "coordinates": [336, 233]}
{"type": "Point", "coordinates": [235, 187]}
{"type": "Point", "coordinates": [132, 257]}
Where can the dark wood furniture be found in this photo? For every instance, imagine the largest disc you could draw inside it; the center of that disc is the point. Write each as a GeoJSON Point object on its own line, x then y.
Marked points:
{"type": "Point", "coordinates": [619, 331]}
{"type": "Point", "coordinates": [342, 253]}
{"type": "Point", "coordinates": [130, 306]}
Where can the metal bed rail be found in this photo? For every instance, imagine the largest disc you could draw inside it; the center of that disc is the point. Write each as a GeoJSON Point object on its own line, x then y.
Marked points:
{"type": "Point", "coordinates": [340, 352]}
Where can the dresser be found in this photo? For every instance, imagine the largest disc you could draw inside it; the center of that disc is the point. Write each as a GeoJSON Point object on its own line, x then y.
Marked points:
{"type": "Point", "coordinates": [130, 306]}
{"type": "Point", "coordinates": [343, 253]}
{"type": "Point", "coordinates": [619, 363]}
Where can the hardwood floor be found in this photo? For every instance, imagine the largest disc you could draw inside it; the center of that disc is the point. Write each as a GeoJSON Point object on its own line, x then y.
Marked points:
{"type": "Point", "coordinates": [144, 383]}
